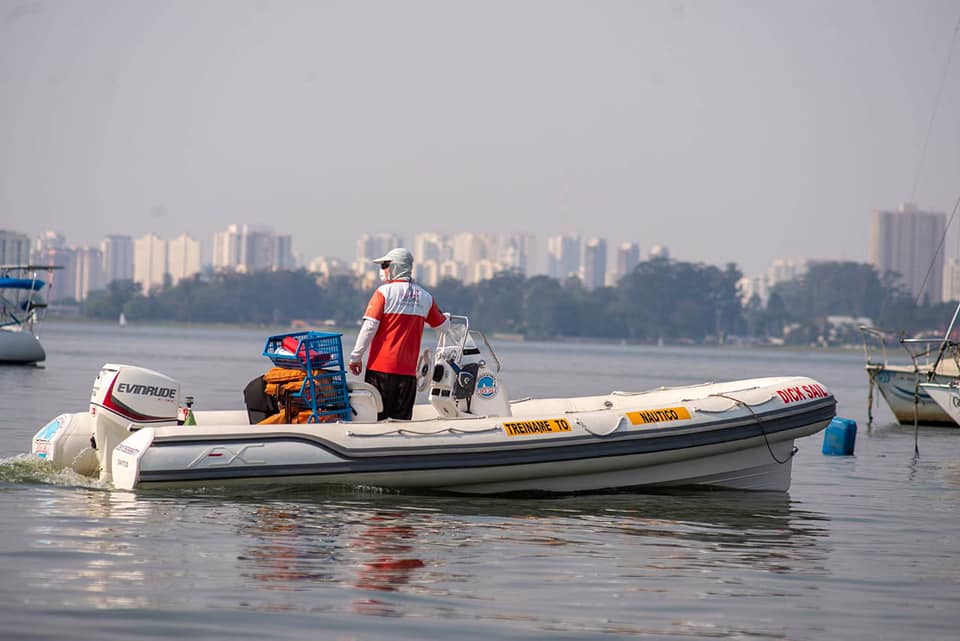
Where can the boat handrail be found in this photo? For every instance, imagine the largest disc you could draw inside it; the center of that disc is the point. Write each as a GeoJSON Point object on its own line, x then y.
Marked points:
{"type": "Point", "coordinates": [924, 353]}
{"type": "Point", "coordinates": [29, 267]}
{"type": "Point", "coordinates": [489, 348]}
{"type": "Point", "coordinates": [878, 337]}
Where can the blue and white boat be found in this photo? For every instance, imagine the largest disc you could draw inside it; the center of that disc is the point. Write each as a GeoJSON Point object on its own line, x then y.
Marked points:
{"type": "Point", "coordinates": [21, 308]}
{"type": "Point", "coordinates": [905, 383]}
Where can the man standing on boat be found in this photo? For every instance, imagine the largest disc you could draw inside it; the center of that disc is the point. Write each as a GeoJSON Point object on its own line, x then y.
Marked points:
{"type": "Point", "coordinates": [392, 329]}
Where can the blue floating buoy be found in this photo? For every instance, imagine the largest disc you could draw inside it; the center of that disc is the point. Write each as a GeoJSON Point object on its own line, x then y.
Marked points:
{"type": "Point", "coordinates": [840, 437]}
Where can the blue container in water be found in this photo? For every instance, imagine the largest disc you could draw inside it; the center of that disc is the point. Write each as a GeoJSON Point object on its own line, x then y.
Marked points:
{"type": "Point", "coordinates": [840, 437]}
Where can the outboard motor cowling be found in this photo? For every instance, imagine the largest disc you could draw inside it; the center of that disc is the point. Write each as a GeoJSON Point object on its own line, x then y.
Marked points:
{"type": "Point", "coordinates": [124, 399]}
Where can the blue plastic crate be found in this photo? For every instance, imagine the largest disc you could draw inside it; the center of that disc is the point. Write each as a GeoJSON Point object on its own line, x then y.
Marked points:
{"type": "Point", "coordinates": [324, 349]}
{"type": "Point", "coordinates": [320, 355]}
{"type": "Point", "coordinates": [325, 394]}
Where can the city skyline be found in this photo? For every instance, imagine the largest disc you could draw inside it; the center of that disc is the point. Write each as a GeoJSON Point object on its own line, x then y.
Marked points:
{"type": "Point", "coordinates": [150, 260]}
{"type": "Point", "coordinates": [728, 131]}
{"type": "Point", "coordinates": [905, 240]}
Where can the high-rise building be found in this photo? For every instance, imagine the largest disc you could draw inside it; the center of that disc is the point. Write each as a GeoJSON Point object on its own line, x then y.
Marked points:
{"type": "Point", "coordinates": [628, 256]}
{"type": "Point", "coordinates": [257, 249]}
{"type": "Point", "coordinates": [325, 267]}
{"type": "Point", "coordinates": [62, 285]}
{"type": "Point", "coordinates": [89, 272]}
{"type": "Point", "coordinates": [248, 249]}
{"type": "Point", "coordinates": [117, 258]}
{"type": "Point", "coordinates": [283, 253]}
{"type": "Point", "coordinates": [951, 280]}
{"type": "Point", "coordinates": [373, 246]}
{"type": "Point", "coordinates": [370, 246]}
{"type": "Point", "coordinates": [429, 246]}
{"type": "Point", "coordinates": [117, 251]}
{"type": "Point", "coordinates": [483, 269]}
{"type": "Point", "coordinates": [228, 249]}
{"type": "Point", "coordinates": [658, 251]}
{"type": "Point", "coordinates": [14, 248]}
{"type": "Point", "coordinates": [49, 240]}
{"type": "Point", "coordinates": [150, 262]}
{"type": "Point", "coordinates": [751, 286]}
{"type": "Point", "coordinates": [784, 270]}
{"type": "Point", "coordinates": [515, 252]}
{"type": "Point", "coordinates": [470, 248]}
{"type": "Point", "coordinates": [427, 272]}
{"type": "Point", "coordinates": [594, 264]}
{"type": "Point", "coordinates": [563, 256]}
{"type": "Point", "coordinates": [183, 258]}
{"type": "Point", "coordinates": [451, 269]}
{"type": "Point", "coordinates": [531, 256]}
{"type": "Point", "coordinates": [908, 242]}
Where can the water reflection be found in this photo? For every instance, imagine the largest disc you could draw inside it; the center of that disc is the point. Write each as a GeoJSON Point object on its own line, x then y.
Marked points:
{"type": "Point", "coordinates": [539, 563]}
{"type": "Point", "coordinates": [384, 548]}
{"type": "Point", "coordinates": [290, 546]}
{"type": "Point", "coordinates": [90, 531]}
{"type": "Point", "coordinates": [293, 545]}
{"type": "Point", "coordinates": [495, 550]}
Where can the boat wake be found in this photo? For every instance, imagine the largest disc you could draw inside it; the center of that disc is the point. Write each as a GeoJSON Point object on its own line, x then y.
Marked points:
{"type": "Point", "coordinates": [27, 468]}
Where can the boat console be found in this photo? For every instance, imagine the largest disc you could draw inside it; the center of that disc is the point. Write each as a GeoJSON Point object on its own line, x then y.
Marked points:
{"type": "Point", "coordinates": [463, 382]}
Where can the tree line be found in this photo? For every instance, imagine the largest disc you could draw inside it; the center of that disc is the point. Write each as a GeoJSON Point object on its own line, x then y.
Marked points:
{"type": "Point", "coordinates": [660, 300]}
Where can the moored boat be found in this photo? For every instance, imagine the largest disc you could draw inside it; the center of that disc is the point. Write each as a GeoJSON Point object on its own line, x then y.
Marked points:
{"type": "Point", "coordinates": [902, 384]}
{"type": "Point", "coordinates": [469, 437]}
{"type": "Point", "coordinates": [21, 307]}
{"type": "Point", "coordinates": [946, 396]}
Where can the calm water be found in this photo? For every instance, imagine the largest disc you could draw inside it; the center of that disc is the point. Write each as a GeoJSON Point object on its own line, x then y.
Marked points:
{"type": "Point", "coordinates": [862, 547]}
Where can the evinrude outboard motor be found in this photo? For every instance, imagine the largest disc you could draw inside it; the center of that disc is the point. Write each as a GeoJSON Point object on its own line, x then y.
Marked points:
{"type": "Point", "coordinates": [462, 381]}
{"type": "Point", "coordinates": [124, 398]}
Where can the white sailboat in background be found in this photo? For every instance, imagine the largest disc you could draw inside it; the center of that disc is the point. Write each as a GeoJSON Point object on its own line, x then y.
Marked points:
{"type": "Point", "coordinates": [21, 308]}
{"type": "Point", "coordinates": [946, 393]}
{"type": "Point", "coordinates": [123, 320]}
{"type": "Point", "coordinates": [901, 383]}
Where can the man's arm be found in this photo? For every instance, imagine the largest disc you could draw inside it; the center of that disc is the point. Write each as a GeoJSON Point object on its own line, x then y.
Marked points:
{"type": "Point", "coordinates": [368, 329]}
{"type": "Point", "coordinates": [436, 319]}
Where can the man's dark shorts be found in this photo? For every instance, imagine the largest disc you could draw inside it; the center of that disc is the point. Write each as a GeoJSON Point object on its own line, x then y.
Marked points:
{"type": "Point", "coordinates": [397, 391]}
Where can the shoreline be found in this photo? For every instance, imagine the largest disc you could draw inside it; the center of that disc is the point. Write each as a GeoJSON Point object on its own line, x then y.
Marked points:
{"type": "Point", "coordinates": [496, 337]}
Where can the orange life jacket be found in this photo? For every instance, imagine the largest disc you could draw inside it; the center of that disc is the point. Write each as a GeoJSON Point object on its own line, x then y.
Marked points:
{"type": "Point", "coordinates": [282, 383]}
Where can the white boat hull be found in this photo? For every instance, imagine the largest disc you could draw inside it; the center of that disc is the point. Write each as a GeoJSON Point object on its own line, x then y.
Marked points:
{"type": "Point", "coordinates": [738, 434]}
{"type": "Point", "coordinates": [744, 468]}
{"type": "Point", "coordinates": [947, 398]}
{"type": "Point", "coordinates": [20, 347]}
{"type": "Point", "coordinates": [903, 390]}
{"type": "Point", "coordinates": [745, 443]}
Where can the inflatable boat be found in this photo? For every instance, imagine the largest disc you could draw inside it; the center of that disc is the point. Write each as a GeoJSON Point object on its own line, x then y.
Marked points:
{"type": "Point", "coordinates": [468, 438]}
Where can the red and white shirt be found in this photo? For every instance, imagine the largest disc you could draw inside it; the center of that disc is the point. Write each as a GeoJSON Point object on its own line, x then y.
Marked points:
{"type": "Point", "coordinates": [402, 308]}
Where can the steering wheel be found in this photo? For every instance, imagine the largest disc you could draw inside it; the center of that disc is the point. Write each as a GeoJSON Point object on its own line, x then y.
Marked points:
{"type": "Point", "coordinates": [424, 365]}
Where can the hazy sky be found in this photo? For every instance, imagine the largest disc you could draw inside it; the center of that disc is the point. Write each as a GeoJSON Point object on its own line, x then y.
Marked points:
{"type": "Point", "coordinates": [726, 130]}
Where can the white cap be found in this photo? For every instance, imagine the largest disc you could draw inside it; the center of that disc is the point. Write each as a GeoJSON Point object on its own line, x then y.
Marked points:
{"type": "Point", "coordinates": [399, 255]}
